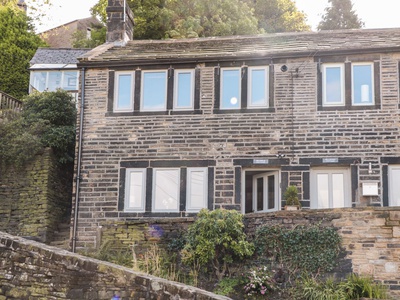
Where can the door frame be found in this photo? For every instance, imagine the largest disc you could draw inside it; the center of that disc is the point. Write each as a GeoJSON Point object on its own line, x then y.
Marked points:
{"type": "Point", "coordinates": [314, 191]}
{"type": "Point", "coordinates": [261, 171]}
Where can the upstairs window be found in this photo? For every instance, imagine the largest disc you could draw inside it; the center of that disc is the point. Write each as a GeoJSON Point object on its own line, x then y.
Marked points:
{"type": "Point", "coordinates": [362, 83]}
{"type": "Point", "coordinates": [333, 85]}
{"type": "Point", "coordinates": [183, 89]}
{"type": "Point", "coordinates": [258, 91]}
{"type": "Point", "coordinates": [352, 85]}
{"type": "Point", "coordinates": [123, 98]}
{"type": "Point", "coordinates": [230, 88]}
{"type": "Point", "coordinates": [154, 91]}
{"type": "Point", "coordinates": [243, 88]}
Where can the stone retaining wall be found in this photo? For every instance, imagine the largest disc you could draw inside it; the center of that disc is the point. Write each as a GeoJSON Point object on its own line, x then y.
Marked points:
{"type": "Point", "coordinates": [370, 236]}
{"type": "Point", "coordinates": [35, 198]}
{"type": "Point", "coordinates": [30, 270]}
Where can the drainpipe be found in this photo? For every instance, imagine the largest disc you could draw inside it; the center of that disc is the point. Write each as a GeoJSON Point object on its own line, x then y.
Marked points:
{"type": "Point", "coordinates": [79, 158]}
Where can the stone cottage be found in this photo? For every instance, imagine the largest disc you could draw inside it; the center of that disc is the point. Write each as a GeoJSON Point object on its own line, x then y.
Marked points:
{"type": "Point", "coordinates": [173, 126]}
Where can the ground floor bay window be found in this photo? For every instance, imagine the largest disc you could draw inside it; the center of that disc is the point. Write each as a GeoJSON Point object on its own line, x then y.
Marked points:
{"type": "Point", "coordinates": [330, 188]}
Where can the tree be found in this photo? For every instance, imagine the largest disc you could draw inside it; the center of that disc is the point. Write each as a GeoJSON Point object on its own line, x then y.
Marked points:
{"type": "Point", "coordinates": [47, 120]}
{"type": "Point", "coordinates": [340, 15]}
{"type": "Point", "coordinates": [157, 19]}
{"type": "Point", "coordinates": [98, 37]}
{"type": "Point", "coordinates": [36, 9]}
{"type": "Point", "coordinates": [279, 16]}
{"type": "Point", "coordinates": [18, 44]}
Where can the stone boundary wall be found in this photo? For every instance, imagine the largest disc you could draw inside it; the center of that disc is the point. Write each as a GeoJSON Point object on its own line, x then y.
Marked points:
{"type": "Point", "coordinates": [35, 198]}
{"type": "Point", "coordinates": [30, 270]}
{"type": "Point", "coordinates": [370, 236]}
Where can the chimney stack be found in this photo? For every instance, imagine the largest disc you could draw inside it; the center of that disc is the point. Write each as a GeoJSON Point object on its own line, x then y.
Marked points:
{"type": "Point", "coordinates": [119, 21]}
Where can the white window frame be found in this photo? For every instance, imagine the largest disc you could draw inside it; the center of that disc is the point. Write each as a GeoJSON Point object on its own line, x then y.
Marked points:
{"type": "Point", "coordinates": [116, 91]}
{"type": "Point", "coordinates": [46, 83]}
{"type": "Point", "coordinates": [250, 84]}
{"type": "Point", "coordinates": [164, 108]}
{"type": "Point", "coordinates": [154, 190]}
{"type": "Point", "coordinates": [342, 85]}
{"type": "Point", "coordinates": [127, 206]}
{"type": "Point", "coordinates": [333, 170]}
{"type": "Point", "coordinates": [222, 88]}
{"type": "Point", "coordinates": [176, 86]}
{"type": "Point", "coordinates": [372, 84]}
{"type": "Point", "coordinates": [393, 184]}
{"type": "Point", "coordinates": [189, 206]}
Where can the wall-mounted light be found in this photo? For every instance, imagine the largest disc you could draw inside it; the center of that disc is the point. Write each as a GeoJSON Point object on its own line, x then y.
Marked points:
{"type": "Point", "coordinates": [369, 168]}
{"type": "Point", "coordinates": [284, 68]}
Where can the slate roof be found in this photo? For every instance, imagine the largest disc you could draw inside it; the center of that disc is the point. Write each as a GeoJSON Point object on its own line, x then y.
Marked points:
{"type": "Point", "coordinates": [268, 45]}
{"type": "Point", "coordinates": [57, 56]}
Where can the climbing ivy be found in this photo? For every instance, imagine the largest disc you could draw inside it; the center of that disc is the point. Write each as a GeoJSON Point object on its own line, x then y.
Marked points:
{"type": "Point", "coordinates": [311, 249]}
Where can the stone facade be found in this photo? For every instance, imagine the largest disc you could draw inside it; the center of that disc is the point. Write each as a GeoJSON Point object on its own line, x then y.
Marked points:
{"type": "Point", "coordinates": [30, 270]}
{"type": "Point", "coordinates": [34, 198]}
{"type": "Point", "coordinates": [233, 140]}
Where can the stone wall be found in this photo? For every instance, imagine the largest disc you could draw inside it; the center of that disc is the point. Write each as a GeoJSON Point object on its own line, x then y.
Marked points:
{"type": "Point", "coordinates": [34, 198]}
{"type": "Point", "coordinates": [30, 270]}
{"type": "Point", "coordinates": [370, 236]}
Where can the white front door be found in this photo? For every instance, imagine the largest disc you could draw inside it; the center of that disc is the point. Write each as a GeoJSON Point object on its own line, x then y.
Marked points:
{"type": "Point", "coordinates": [266, 192]}
{"type": "Point", "coordinates": [330, 188]}
{"type": "Point", "coordinates": [394, 185]}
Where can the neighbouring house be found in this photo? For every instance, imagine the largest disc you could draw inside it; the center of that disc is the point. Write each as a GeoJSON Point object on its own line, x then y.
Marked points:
{"type": "Point", "coordinates": [53, 68]}
{"type": "Point", "coordinates": [173, 126]}
{"type": "Point", "coordinates": [63, 36]}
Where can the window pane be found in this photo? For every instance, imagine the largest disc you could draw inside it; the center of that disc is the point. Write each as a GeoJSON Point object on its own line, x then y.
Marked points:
{"type": "Point", "coordinates": [337, 190]}
{"type": "Point", "coordinates": [154, 91]}
{"type": "Point", "coordinates": [230, 91]}
{"type": "Point", "coordinates": [183, 97]}
{"type": "Point", "coordinates": [333, 93]}
{"type": "Point", "coordinates": [166, 190]}
{"type": "Point", "coordinates": [323, 190]}
{"type": "Point", "coordinates": [197, 190]}
{"type": "Point", "coordinates": [124, 92]}
{"type": "Point", "coordinates": [258, 88]}
{"type": "Point", "coordinates": [54, 81]}
{"type": "Point", "coordinates": [394, 186]}
{"type": "Point", "coordinates": [135, 190]}
{"type": "Point", "coordinates": [362, 84]}
{"type": "Point", "coordinates": [39, 81]}
{"type": "Point", "coordinates": [70, 81]}
{"type": "Point", "coordinates": [271, 192]}
{"type": "Point", "coordinates": [260, 193]}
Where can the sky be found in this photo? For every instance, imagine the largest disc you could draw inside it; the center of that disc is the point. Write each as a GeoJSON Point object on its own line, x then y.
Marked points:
{"type": "Point", "coordinates": [375, 14]}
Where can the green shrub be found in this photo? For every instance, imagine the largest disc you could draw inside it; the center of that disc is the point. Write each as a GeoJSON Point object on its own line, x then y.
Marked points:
{"type": "Point", "coordinates": [227, 286]}
{"type": "Point", "coordinates": [354, 287]}
{"type": "Point", "coordinates": [216, 237]}
{"type": "Point", "coordinates": [291, 195]}
{"type": "Point", "coordinates": [47, 120]}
